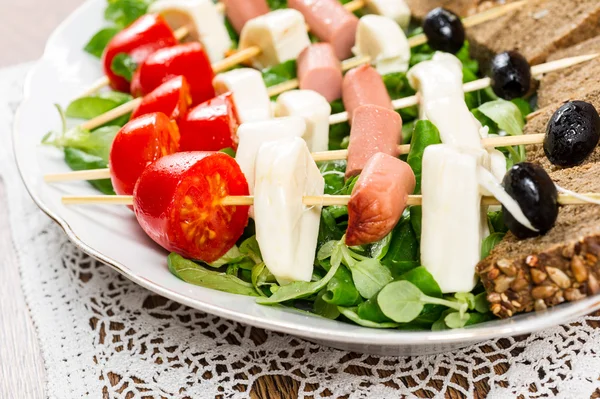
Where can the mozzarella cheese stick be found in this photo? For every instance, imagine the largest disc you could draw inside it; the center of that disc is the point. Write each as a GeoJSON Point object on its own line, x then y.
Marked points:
{"type": "Point", "coordinates": [382, 40]}
{"type": "Point", "coordinates": [439, 77]}
{"type": "Point", "coordinates": [205, 23]}
{"type": "Point", "coordinates": [286, 229]}
{"type": "Point", "coordinates": [281, 35]}
{"type": "Point", "coordinates": [250, 94]}
{"type": "Point", "coordinates": [457, 125]}
{"type": "Point", "coordinates": [396, 10]}
{"type": "Point", "coordinates": [315, 110]}
{"type": "Point", "coordinates": [252, 135]}
{"type": "Point", "coordinates": [451, 232]}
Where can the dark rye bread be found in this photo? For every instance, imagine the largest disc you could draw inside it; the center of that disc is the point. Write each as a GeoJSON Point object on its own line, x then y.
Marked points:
{"type": "Point", "coordinates": [562, 265]}
{"type": "Point", "coordinates": [574, 82]}
{"type": "Point", "coordinates": [537, 29]}
{"type": "Point", "coordinates": [463, 8]}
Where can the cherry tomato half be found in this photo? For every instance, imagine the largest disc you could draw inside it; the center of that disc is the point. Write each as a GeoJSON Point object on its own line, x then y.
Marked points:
{"type": "Point", "coordinates": [142, 38]}
{"type": "Point", "coordinates": [188, 60]}
{"type": "Point", "coordinates": [177, 202]}
{"type": "Point", "coordinates": [210, 126]}
{"type": "Point", "coordinates": [172, 98]}
{"type": "Point", "coordinates": [139, 143]}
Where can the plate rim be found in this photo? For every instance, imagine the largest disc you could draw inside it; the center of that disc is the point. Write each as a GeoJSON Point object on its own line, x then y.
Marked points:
{"type": "Point", "coordinates": [464, 336]}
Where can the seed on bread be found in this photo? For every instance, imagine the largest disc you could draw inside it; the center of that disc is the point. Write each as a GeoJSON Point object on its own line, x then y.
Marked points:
{"type": "Point", "coordinates": [559, 277]}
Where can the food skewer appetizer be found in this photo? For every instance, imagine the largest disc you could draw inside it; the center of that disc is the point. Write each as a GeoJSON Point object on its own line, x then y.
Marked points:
{"type": "Point", "coordinates": [371, 35]}
{"type": "Point", "coordinates": [252, 107]}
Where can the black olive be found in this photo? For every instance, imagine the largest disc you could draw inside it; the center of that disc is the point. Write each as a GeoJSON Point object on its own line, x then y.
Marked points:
{"type": "Point", "coordinates": [536, 194]}
{"type": "Point", "coordinates": [444, 30]}
{"type": "Point", "coordinates": [511, 75]}
{"type": "Point", "coordinates": [572, 134]}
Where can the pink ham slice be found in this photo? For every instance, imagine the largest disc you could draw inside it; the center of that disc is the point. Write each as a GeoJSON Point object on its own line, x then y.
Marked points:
{"type": "Point", "coordinates": [241, 11]}
{"type": "Point", "coordinates": [361, 86]}
{"type": "Point", "coordinates": [330, 22]}
{"type": "Point", "coordinates": [378, 199]}
{"type": "Point", "coordinates": [321, 71]}
{"type": "Point", "coordinates": [374, 129]}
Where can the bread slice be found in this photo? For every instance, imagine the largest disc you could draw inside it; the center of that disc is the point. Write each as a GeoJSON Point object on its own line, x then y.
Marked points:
{"type": "Point", "coordinates": [576, 81]}
{"type": "Point", "coordinates": [564, 264]}
{"type": "Point", "coordinates": [537, 29]}
{"type": "Point", "coordinates": [463, 8]}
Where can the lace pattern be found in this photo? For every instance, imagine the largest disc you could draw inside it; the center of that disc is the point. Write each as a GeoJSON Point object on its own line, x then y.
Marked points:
{"type": "Point", "coordinates": [103, 336]}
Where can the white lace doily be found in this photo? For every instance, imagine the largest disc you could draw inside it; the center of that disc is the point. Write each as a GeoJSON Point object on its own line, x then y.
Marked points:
{"type": "Point", "coordinates": [103, 336]}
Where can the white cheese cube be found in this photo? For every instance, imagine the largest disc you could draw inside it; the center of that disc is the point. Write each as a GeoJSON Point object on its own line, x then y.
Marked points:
{"type": "Point", "coordinates": [286, 229]}
{"type": "Point", "coordinates": [384, 42]}
{"type": "Point", "coordinates": [315, 110]}
{"type": "Point", "coordinates": [452, 227]}
{"type": "Point", "coordinates": [202, 18]}
{"type": "Point", "coordinates": [281, 35]}
{"type": "Point", "coordinates": [250, 94]}
{"type": "Point", "coordinates": [252, 135]}
{"type": "Point", "coordinates": [396, 10]}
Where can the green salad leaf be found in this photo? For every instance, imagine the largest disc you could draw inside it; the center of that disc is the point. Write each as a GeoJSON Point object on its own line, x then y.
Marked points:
{"type": "Point", "coordinates": [403, 253]}
{"type": "Point", "coordinates": [93, 106]}
{"type": "Point", "coordinates": [299, 289]}
{"type": "Point", "coordinates": [98, 42]}
{"type": "Point", "coordinates": [333, 173]}
{"type": "Point", "coordinates": [279, 73]}
{"type": "Point", "coordinates": [79, 160]}
{"type": "Point", "coordinates": [193, 273]}
{"type": "Point", "coordinates": [351, 314]}
{"type": "Point", "coordinates": [425, 134]}
{"type": "Point", "coordinates": [124, 12]}
{"type": "Point", "coordinates": [124, 66]}
{"type": "Point", "coordinates": [489, 243]}
{"type": "Point", "coordinates": [403, 302]}
{"type": "Point", "coordinates": [324, 308]}
{"type": "Point", "coordinates": [370, 277]}
{"type": "Point", "coordinates": [341, 290]}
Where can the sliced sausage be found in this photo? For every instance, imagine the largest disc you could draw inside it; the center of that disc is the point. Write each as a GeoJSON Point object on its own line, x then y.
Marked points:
{"type": "Point", "coordinates": [362, 86]}
{"type": "Point", "coordinates": [374, 129]}
{"type": "Point", "coordinates": [320, 70]}
{"type": "Point", "coordinates": [378, 199]}
{"type": "Point", "coordinates": [241, 11]}
{"type": "Point", "coordinates": [330, 22]}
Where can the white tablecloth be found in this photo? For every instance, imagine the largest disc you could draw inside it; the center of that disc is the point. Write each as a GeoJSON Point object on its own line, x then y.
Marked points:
{"type": "Point", "coordinates": [102, 334]}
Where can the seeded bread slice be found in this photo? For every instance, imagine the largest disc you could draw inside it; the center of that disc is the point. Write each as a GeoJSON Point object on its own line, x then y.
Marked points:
{"type": "Point", "coordinates": [563, 265]}
{"type": "Point", "coordinates": [537, 29]}
{"type": "Point", "coordinates": [573, 82]}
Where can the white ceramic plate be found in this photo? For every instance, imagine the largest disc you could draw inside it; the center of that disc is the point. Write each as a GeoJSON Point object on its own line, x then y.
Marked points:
{"type": "Point", "coordinates": [111, 234]}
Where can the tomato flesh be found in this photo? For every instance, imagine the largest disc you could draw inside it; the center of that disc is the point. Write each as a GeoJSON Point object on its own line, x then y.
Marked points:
{"type": "Point", "coordinates": [147, 34]}
{"type": "Point", "coordinates": [172, 98]}
{"type": "Point", "coordinates": [187, 60]}
{"type": "Point", "coordinates": [177, 202]}
{"type": "Point", "coordinates": [210, 126]}
{"type": "Point", "coordinates": [140, 142]}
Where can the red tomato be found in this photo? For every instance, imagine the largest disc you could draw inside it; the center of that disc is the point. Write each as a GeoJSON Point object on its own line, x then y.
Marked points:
{"type": "Point", "coordinates": [172, 98]}
{"type": "Point", "coordinates": [210, 126]}
{"type": "Point", "coordinates": [177, 201]}
{"type": "Point", "coordinates": [188, 60]}
{"type": "Point", "coordinates": [142, 38]}
{"type": "Point", "coordinates": [139, 143]}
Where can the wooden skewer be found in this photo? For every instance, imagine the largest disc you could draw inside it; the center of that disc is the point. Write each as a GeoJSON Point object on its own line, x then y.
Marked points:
{"type": "Point", "coordinates": [537, 71]}
{"type": "Point", "coordinates": [477, 19]}
{"type": "Point", "coordinates": [490, 142]}
{"type": "Point", "coordinates": [325, 200]}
